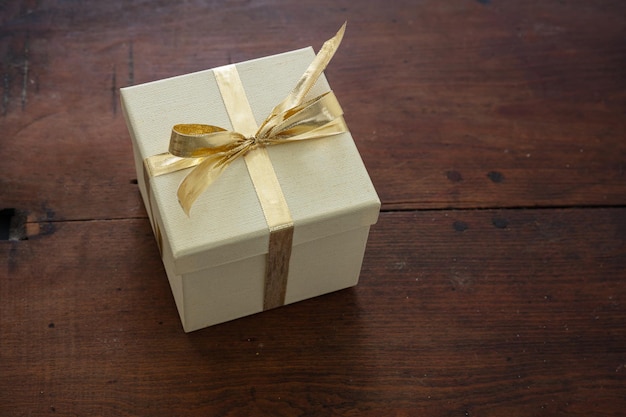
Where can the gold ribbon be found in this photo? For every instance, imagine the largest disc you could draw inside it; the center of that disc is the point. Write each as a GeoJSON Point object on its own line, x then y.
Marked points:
{"type": "Point", "coordinates": [210, 149]}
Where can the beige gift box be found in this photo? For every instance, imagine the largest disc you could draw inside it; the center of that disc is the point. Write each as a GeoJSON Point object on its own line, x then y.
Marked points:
{"type": "Point", "coordinates": [215, 259]}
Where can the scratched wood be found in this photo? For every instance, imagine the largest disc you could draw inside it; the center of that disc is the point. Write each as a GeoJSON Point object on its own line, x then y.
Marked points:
{"type": "Point", "coordinates": [456, 104]}
{"type": "Point", "coordinates": [518, 313]}
{"type": "Point", "coordinates": [492, 284]}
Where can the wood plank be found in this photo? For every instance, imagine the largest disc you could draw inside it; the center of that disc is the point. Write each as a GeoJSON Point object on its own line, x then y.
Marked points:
{"type": "Point", "coordinates": [455, 104]}
{"type": "Point", "coordinates": [472, 312]}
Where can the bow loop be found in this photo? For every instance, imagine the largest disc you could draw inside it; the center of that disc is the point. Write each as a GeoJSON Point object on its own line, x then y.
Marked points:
{"type": "Point", "coordinates": [306, 81]}
{"type": "Point", "coordinates": [199, 140]}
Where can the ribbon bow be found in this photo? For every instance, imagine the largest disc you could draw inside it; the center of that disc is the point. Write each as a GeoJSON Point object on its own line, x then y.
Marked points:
{"type": "Point", "coordinates": [210, 149]}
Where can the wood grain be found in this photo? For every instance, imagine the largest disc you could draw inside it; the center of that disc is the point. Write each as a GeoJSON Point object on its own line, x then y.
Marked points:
{"type": "Point", "coordinates": [520, 314]}
{"type": "Point", "coordinates": [492, 285]}
{"type": "Point", "coordinates": [455, 105]}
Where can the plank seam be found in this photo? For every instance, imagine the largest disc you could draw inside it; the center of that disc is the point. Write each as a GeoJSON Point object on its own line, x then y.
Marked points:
{"type": "Point", "coordinates": [492, 208]}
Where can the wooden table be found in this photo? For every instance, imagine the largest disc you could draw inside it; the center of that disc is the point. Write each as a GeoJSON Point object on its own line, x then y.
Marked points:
{"type": "Point", "coordinates": [493, 282]}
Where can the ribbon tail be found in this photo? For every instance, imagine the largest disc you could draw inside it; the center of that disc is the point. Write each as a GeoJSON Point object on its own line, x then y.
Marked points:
{"type": "Point", "coordinates": [164, 163]}
{"type": "Point", "coordinates": [306, 82]}
{"type": "Point", "coordinates": [199, 180]}
{"type": "Point", "coordinates": [313, 72]}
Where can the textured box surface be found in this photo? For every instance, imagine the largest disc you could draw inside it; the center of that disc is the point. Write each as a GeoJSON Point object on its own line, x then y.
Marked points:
{"type": "Point", "coordinates": [215, 259]}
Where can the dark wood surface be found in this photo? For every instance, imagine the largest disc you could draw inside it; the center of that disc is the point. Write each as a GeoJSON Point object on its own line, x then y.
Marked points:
{"type": "Point", "coordinates": [492, 285]}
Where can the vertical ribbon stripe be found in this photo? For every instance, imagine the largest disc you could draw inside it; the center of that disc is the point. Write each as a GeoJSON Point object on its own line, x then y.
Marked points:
{"type": "Point", "coordinates": [266, 185]}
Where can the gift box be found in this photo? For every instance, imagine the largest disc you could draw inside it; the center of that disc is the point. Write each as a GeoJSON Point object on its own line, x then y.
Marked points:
{"type": "Point", "coordinates": [222, 258]}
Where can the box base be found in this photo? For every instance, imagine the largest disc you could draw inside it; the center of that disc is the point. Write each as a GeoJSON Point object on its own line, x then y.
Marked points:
{"type": "Point", "coordinates": [230, 291]}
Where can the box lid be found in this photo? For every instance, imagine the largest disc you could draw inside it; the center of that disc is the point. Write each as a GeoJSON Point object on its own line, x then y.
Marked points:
{"type": "Point", "coordinates": [324, 181]}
